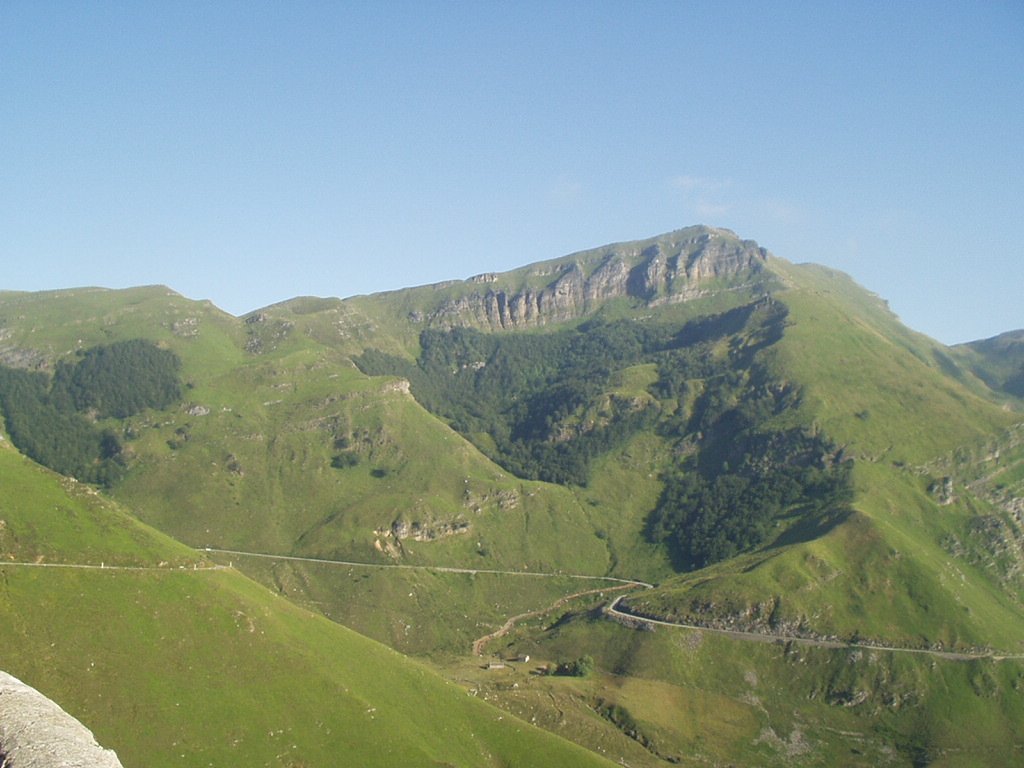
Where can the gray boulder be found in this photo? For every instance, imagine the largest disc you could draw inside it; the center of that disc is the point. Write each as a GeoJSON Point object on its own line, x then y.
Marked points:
{"type": "Point", "coordinates": [36, 733]}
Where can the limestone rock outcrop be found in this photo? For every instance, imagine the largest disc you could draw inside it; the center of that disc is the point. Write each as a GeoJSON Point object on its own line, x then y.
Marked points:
{"type": "Point", "coordinates": [36, 733]}
{"type": "Point", "coordinates": [674, 267]}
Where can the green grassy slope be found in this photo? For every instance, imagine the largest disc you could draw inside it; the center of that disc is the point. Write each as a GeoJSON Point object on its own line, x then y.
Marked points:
{"type": "Point", "coordinates": [903, 409]}
{"type": "Point", "coordinates": [897, 404]}
{"type": "Point", "coordinates": [704, 698]}
{"type": "Point", "coordinates": [43, 326]}
{"type": "Point", "coordinates": [173, 663]}
{"type": "Point", "coordinates": [260, 477]}
{"type": "Point", "coordinates": [207, 668]}
{"type": "Point", "coordinates": [885, 392]}
{"type": "Point", "coordinates": [48, 519]}
{"type": "Point", "coordinates": [999, 361]}
{"type": "Point", "coordinates": [245, 460]}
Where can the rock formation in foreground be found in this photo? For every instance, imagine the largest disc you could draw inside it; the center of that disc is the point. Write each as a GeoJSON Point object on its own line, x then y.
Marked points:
{"type": "Point", "coordinates": [36, 733]}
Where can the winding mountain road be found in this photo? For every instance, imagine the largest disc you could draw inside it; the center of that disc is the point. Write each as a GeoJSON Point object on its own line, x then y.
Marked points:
{"type": "Point", "coordinates": [611, 609]}
{"type": "Point", "coordinates": [504, 629]}
{"type": "Point", "coordinates": [766, 637]}
{"type": "Point", "coordinates": [614, 610]}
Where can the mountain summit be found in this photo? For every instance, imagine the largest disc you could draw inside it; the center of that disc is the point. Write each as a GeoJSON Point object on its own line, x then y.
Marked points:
{"type": "Point", "coordinates": [674, 267]}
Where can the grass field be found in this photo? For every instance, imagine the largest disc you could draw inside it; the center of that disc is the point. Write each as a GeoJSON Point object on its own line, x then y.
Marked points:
{"type": "Point", "coordinates": [171, 661]}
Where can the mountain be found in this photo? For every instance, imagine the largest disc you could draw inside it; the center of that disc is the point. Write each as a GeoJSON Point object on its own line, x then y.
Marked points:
{"type": "Point", "coordinates": [998, 361]}
{"type": "Point", "coordinates": [687, 425]}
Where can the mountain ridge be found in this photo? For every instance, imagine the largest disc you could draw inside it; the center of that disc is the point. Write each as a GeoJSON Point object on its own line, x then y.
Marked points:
{"type": "Point", "coordinates": [676, 266]}
{"type": "Point", "coordinates": [517, 301]}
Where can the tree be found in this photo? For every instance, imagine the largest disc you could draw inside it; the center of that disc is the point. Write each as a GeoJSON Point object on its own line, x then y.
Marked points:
{"type": "Point", "coordinates": [581, 667]}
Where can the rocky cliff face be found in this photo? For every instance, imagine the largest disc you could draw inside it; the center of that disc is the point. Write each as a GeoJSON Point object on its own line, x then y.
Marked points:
{"type": "Point", "coordinates": [36, 733]}
{"type": "Point", "coordinates": [675, 267]}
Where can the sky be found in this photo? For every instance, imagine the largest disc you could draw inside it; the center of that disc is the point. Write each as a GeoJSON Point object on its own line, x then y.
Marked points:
{"type": "Point", "coordinates": [252, 152]}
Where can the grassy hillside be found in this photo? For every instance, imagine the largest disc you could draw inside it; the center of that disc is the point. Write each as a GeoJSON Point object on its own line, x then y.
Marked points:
{"type": "Point", "coordinates": [207, 668]}
{"type": "Point", "coordinates": [38, 328]}
{"type": "Point", "coordinates": [886, 570]}
{"type": "Point", "coordinates": [700, 698]}
{"type": "Point", "coordinates": [885, 392]}
{"type": "Point", "coordinates": [769, 445]}
{"type": "Point", "coordinates": [998, 361]}
{"type": "Point", "coordinates": [248, 460]}
{"type": "Point", "coordinates": [173, 663]}
{"type": "Point", "coordinates": [49, 519]}
{"type": "Point", "coordinates": [876, 576]}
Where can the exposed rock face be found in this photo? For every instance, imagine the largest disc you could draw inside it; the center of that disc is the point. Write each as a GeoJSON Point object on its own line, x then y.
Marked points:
{"type": "Point", "coordinates": [14, 356]}
{"type": "Point", "coordinates": [36, 733]}
{"type": "Point", "coordinates": [429, 531]}
{"type": "Point", "coordinates": [670, 268]}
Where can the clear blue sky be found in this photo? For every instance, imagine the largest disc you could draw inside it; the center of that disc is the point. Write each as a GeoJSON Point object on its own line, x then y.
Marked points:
{"type": "Point", "coordinates": [251, 152]}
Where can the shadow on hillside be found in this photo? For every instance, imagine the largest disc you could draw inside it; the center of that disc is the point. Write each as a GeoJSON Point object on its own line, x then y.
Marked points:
{"type": "Point", "coordinates": [810, 528]}
{"type": "Point", "coordinates": [949, 366]}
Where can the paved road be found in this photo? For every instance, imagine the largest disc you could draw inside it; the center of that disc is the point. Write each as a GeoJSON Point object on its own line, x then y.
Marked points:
{"type": "Point", "coordinates": [765, 637]}
{"type": "Point", "coordinates": [613, 609]}
{"type": "Point", "coordinates": [478, 645]}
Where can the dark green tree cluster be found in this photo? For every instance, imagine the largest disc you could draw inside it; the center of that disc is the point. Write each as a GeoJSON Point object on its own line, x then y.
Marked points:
{"type": "Point", "coordinates": [518, 388]}
{"type": "Point", "coordinates": [46, 419]}
{"type": "Point", "coordinates": [119, 380]}
{"type": "Point", "coordinates": [61, 439]}
{"type": "Point", "coordinates": [622, 719]}
{"type": "Point", "coordinates": [581, 667]}
{"type": "Point", "coordinates": [1015, 383]}
{"type": "Point", "coordinates": [745, 478]}
{"type": "Point", "coordinates": [706, 520]}
{"type": "Point", "coordinates": [735, 477]}
{"type": "Point", "coordinates": [740, 477]}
